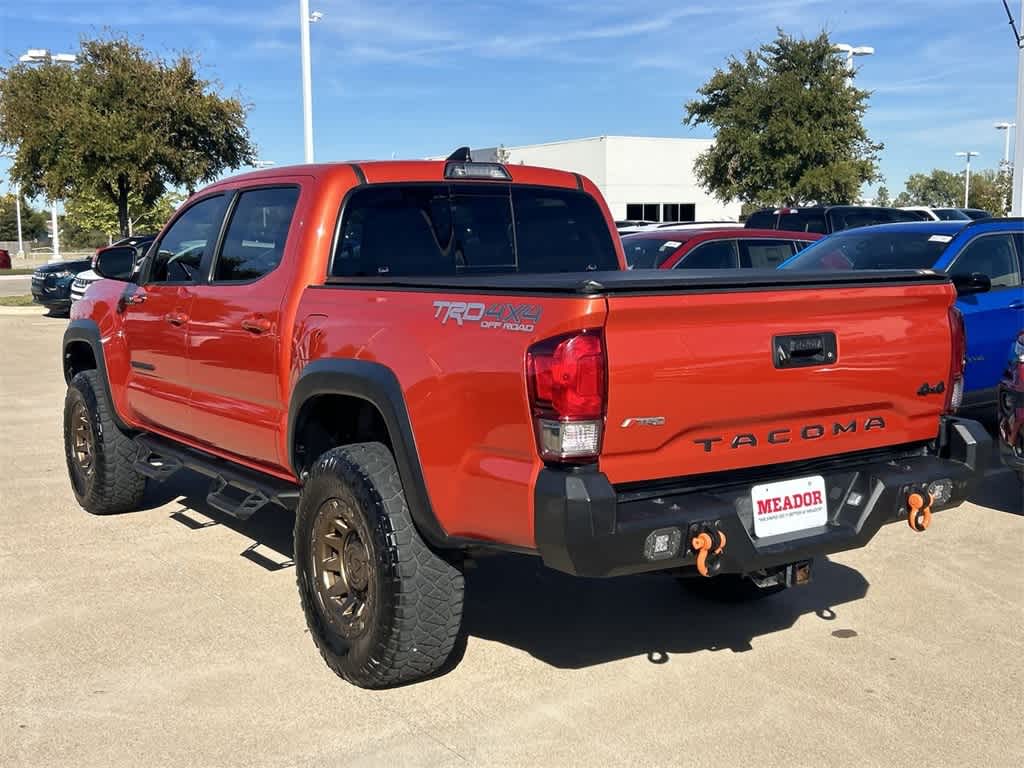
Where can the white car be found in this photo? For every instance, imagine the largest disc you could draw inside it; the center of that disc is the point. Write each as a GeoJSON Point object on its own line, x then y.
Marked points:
{"type": "Point", "coordinates": [938, 214]}
{"type": "Point", "coordinates": [135, 249]}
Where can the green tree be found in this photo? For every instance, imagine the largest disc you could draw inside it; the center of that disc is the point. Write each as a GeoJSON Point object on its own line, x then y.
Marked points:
{"type": "Point", "coordinates": [33, 222]}
{"type": "Point", "coordinates": [122, 122]}
{"type": "Point", "coordinates": [91, 212]}
{"type": "Point", "coordinates": [788, 127]}
{"type": "Point", "coordinates": [938, 189]}
{"type": "Point", "coordinates": [882, 197]}
{"type": "Point", "coordinates": [990, 191]}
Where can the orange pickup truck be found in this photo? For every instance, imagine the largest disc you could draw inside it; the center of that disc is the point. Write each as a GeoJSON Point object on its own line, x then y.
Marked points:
{"type": "Point", "coordinates": [428, 361]}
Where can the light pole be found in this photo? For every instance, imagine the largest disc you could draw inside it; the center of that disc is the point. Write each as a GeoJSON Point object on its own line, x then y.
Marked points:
{"type": "Point", "coordinates": [41, 56]}
{"type": "Point", "coordinates": [17, 209]}
{"type": "Point", "coordinates": [1018, 152]}
{"type": "Point", "coordinates": [967, 176]}
{"type": "Point", "coordinates": [1007, 127]}
{"type": "Point", "coordinates": [851, 51]}
{"type": "Point", "coordinates": [305, 19]}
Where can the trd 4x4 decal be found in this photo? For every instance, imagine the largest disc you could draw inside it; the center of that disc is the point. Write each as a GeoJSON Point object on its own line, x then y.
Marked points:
{"type": "Point", "coordinates": [505, 317]}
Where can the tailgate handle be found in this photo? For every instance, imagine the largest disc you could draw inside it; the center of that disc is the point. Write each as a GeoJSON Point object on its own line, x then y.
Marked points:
{"type": "Point", "coordinates": [804, 349]}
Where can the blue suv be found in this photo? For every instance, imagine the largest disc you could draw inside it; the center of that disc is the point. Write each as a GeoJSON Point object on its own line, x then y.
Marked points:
{"type": "Point", "coordinates": [985, 259]}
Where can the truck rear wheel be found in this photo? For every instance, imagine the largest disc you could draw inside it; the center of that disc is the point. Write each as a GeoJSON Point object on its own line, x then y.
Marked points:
{"type": "Point", "coordinates": [382, 607]}
{"type": "Point", "coordinates": [100, 457]}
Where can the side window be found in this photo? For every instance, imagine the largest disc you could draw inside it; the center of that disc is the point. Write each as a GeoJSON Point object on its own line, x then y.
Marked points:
{"type": "Point", "coordinates": [396, 232]}
{"type": "Point", "coordinates": [991, 255]}
{"type": "Point", "coordinates": [799, 245]}
{"type": "Point", "coordinates": [256, 234]}
{"type": "Point", "coordinates": [764, 254]}
{"type": "Point", "coordinates": [180, 252]}
{"type": "Point", "coordinates": [716, 254]}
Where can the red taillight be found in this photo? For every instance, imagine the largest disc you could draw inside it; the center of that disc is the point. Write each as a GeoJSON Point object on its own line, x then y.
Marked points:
{"type": "Point", "coordinates": [567, 395]}
{"type": "Point", "coordinates": [958, 360]}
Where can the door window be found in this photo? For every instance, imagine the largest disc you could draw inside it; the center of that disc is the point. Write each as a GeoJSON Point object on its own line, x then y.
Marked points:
{"type": "Point", "coordinates": [716, 254]}
{"type": "Point", "coordinates": [179, 256]}
{"type": "Point", "coordinates": [764, 254]}
{"type": "Point", "coordinates": [991, 255]}
{"type": "Point", "coordinates": [256, 234]}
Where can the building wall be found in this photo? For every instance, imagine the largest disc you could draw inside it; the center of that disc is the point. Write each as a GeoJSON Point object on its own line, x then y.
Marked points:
{"type": "Point", "coordinates": [630, 169]}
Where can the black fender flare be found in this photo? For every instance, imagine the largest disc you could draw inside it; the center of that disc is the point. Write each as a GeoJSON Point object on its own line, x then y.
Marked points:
{"type": "Point", "coordinates": [88, 332]}
{"type": "Point", "coordinates": [378, 385]}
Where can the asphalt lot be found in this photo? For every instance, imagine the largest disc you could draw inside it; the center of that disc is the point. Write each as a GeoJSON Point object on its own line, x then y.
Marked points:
{"type": "Point", "coordinates": [173, 637]}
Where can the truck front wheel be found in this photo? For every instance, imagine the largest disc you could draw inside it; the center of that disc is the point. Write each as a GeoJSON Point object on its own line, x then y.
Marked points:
{"type": "Point", "coordinates": [383, 608]}
{"type": "Point", "coordinates": [100, 457]}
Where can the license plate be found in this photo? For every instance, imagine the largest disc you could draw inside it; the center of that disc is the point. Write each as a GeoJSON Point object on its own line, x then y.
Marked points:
{"type": "Point", "coordinates": [789, 505]}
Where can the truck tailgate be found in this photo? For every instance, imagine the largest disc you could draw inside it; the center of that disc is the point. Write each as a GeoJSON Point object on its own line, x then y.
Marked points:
{"type": "Point", "coordinates": [705, 381]}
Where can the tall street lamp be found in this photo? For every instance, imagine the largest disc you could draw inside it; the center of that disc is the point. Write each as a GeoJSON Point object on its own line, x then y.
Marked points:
{"type": "Point", "coordinates": [1007, 127]}
{"type": "Point", "coordinates": [17, 210]}
{"type": "Point", "coordinates": [305, 19]}
{"type": "Point", "coordinates": [967, 177]}
{"type": "Point", "coordinates": [852, 51]}
{"type": "Point", "coordinates": [41, 56]}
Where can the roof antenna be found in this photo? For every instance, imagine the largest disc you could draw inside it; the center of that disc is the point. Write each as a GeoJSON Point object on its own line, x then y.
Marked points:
{"type": "Point", "coordinates": [460, 155]}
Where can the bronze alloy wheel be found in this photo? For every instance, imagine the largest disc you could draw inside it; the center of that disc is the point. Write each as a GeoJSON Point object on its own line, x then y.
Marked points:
{"type": "Point", "coordinates": [83, 445]}
{"type": "Point", "coordinates": [342, 570]}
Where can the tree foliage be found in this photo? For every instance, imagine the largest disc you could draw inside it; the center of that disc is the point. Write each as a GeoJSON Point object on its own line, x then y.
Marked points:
{"type": "Point", "coordinates": [91, 212]}
{"type": "Point", "coordinates": [787, 126]}
{"type": "Point", "coordinates": [33, 222]}
{"type": "Point", "coordinates": [122, 122]}
{"type": "Point", "coordinates": [990, 190]}
{"type": "Point", "coordinates": [938, 189]}
{"type": "Point", "coordinates": [882, 197]}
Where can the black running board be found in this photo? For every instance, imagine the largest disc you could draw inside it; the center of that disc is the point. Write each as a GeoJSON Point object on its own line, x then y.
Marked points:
{"type": "Point", "coordinates": [236, 490]}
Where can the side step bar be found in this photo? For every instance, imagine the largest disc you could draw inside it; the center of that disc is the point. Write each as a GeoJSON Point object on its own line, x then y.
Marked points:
{"type": "Point", "coordinates": [236, 491]}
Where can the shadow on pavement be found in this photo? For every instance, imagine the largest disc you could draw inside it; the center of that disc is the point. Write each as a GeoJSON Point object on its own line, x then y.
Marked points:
{"type": "Point", "coordinates": [572, 623]}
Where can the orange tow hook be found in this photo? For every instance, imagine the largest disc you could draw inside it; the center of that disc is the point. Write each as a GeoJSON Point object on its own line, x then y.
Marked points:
{"type": "Point", "coordinates": [920, 515]}
{"type": "Point", "coordinates": [702, 544]}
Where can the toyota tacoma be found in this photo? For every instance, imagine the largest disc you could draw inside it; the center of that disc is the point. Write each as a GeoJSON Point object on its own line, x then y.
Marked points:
{"type": "Point", "coordinates": [430, 361]}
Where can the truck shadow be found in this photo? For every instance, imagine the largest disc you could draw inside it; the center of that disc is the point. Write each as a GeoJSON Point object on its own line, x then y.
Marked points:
{"type": "Point", "coordinates": [572, 623]}
{"type": "Point", "coordinates": [564, 621]}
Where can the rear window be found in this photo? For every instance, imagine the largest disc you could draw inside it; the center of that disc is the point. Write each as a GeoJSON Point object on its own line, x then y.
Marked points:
{"type": "Point", "coordinates": [850, 218]}
{"type": "Point", "coordinates": [451, 229]}
{"type": "Point", "coordinates": [761, 220]}
{"type": "Point", "coordinates": [872, 250]}
{"type": "Point", "coordinates": [648, 252]}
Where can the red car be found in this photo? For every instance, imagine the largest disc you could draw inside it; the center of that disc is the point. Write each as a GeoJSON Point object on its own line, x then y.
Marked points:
{"type": "Point", "coordinates": [713, 248]}
{"type": "Point", "coordinates": [5, 259]}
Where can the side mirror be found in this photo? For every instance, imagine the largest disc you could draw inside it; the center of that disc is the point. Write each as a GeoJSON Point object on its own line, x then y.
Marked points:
{"type": "Point", "coordinates": [115, 263]}
{"type": "Point", "coordinates": [972, 283]}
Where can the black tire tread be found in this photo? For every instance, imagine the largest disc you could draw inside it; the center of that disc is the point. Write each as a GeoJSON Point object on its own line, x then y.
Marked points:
{"type": "Point", "coordinates": [424, 593]}
{"type": "Point", "coordinates": [117, 486]}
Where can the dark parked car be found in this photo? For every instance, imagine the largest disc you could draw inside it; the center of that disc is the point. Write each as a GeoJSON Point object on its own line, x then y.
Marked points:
{"type": "Point", "coordinates": [1011, 409]}
{"type": "Point", "coordinates": [826, 219]}
{"type": "Point", "coordinates": [51, 283]}
{"type": "Point", "coordinates": [976, 213]}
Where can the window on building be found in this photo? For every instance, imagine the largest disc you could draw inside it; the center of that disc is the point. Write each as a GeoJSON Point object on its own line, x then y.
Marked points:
{"type": "Point", "coordinates": [679, 211]}
{"type": "Point", "coordinates": [634, 211]}
{"type": "Point", "coordinates": [643, 211]}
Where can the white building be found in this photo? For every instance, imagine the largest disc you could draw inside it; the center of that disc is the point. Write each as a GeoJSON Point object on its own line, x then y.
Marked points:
{"type": "Point", "coordinates": [641, 178]}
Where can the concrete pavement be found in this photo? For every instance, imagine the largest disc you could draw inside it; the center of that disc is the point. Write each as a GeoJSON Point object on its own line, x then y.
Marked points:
{"type": "Point", "coordinates": [173, 637]}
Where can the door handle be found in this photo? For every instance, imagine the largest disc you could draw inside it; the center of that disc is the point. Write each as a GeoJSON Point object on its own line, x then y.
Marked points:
{"type": "Point", "coordinates": [176, 318]}
{"type": "Point", "coordinates": [256, 324]}
{"type": "Point", "coordinates": [135, 298]}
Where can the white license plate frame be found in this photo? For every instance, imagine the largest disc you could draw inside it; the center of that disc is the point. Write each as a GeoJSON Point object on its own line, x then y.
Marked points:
{"type": "Point", "coordinates": [789, 506]}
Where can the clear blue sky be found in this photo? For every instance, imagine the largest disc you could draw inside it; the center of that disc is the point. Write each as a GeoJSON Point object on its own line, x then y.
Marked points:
{"type": "Point", "coordinates": [421, 78]}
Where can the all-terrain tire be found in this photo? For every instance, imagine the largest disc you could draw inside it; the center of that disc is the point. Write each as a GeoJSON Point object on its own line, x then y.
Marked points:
{"type": "Point", "coordinates": [112, 484]}
{"type": "Point", "coordinates": [412, 617]}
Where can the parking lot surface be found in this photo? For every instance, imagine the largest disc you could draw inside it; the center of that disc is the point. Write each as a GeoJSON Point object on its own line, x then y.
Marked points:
{"type": "Point", "coordinates": [173, 637]}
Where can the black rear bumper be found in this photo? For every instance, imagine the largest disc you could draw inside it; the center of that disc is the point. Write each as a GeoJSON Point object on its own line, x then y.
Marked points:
{"type": "Point", "coordinates": [585, 526]}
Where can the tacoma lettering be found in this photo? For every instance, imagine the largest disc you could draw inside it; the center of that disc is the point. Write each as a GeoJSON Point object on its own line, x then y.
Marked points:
{"type": "Point", "coordinates": [782, 436]}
